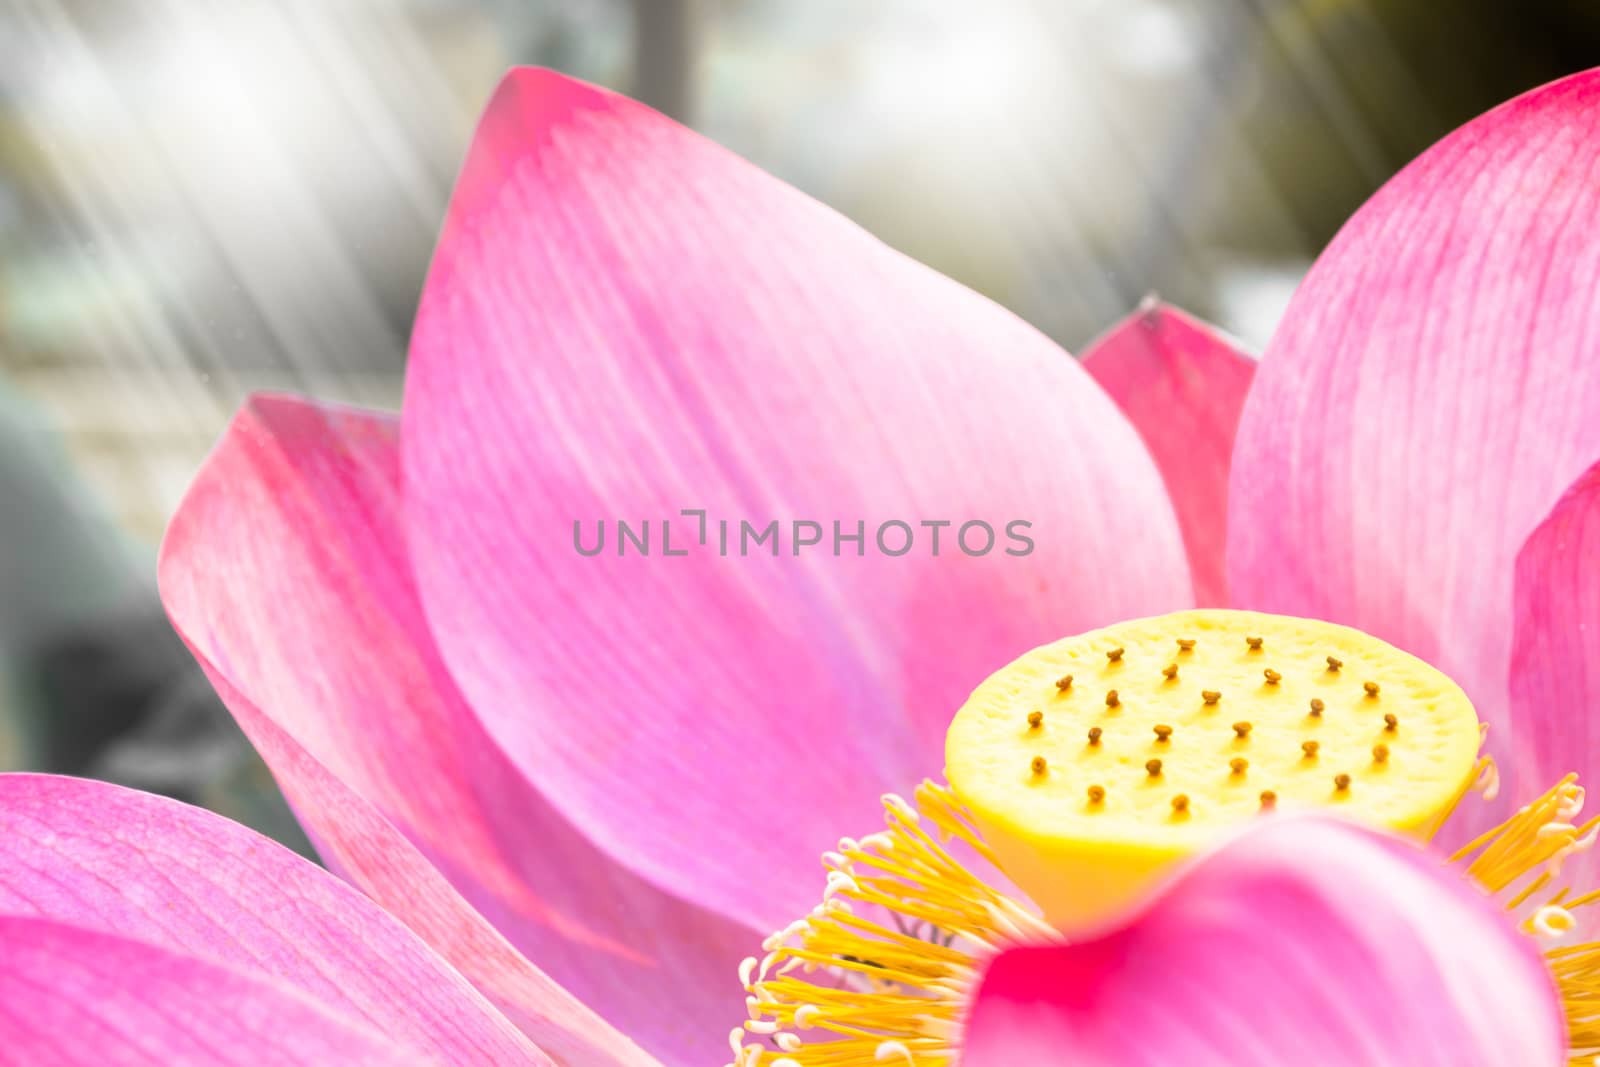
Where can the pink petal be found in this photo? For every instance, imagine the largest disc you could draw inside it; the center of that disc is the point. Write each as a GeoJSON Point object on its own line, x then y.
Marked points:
{"type": "Point", "coordinates": [1555, 662]}
{"type": "Point", "coordinates": [357, 842]}
{"type": "Point", "coordinates": [286, 573]}
{"type": "Point", "coordinates": [109, 859]}
{"type": "Point", "coordinates": [1183, 384]}
{"type": "Point", "coordinates": [624, 321]}
{"type": "Point", "coordinates": [71, 997]}
{"type": "Point", "coordinates": [1302, 941]}
{"type": "Point", "coordinates": [1431, 393]}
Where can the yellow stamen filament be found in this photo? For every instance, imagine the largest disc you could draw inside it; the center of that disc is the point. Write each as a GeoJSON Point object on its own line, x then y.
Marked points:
{"type": "Point", "coordinates": [882, 969]}
{"type": "Point", "coordinates": [1520, 862]}
{"type": "Point", "coordinates": [903, 930]}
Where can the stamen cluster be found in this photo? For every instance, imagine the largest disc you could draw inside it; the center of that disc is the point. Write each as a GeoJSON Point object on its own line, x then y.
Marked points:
{"type": "Point", "coordinates": [881, 970]}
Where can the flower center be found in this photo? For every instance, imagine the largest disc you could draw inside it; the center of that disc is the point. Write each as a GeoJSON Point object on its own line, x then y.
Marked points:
{"type": "Point", "coordinates": [1092, 764]}
{"type": "Point", "coordinates": [1086, 767]}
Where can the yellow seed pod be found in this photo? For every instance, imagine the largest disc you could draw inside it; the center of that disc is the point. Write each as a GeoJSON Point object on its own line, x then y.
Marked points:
{"type": "Point", "coordinates": [1303, 712]}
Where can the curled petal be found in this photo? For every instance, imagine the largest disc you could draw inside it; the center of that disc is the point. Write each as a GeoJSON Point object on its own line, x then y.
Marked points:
{"type": "Point", "coordinates": [1182, 383]}
{"type": "Point", "coordinates": [623, 322]}
{"type": "Point", "coordinates": [126, 863]}
{"type": "Point", "coordinates": [1305, 940]}
{"type": "Point", "coordinates": [286, 571]}
{"type": "Point", "coordinates": [1555, 663]}
{"type": "Point", "coordinates": [1430, 394]}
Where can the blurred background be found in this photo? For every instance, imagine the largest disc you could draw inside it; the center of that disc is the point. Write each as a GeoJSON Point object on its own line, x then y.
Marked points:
{"type": "Point", "coordinates": [203, 197]}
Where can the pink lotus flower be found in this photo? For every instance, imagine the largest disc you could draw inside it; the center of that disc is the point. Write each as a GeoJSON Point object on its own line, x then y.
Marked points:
{"type": "Point", "coordinates": [574, 793]}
